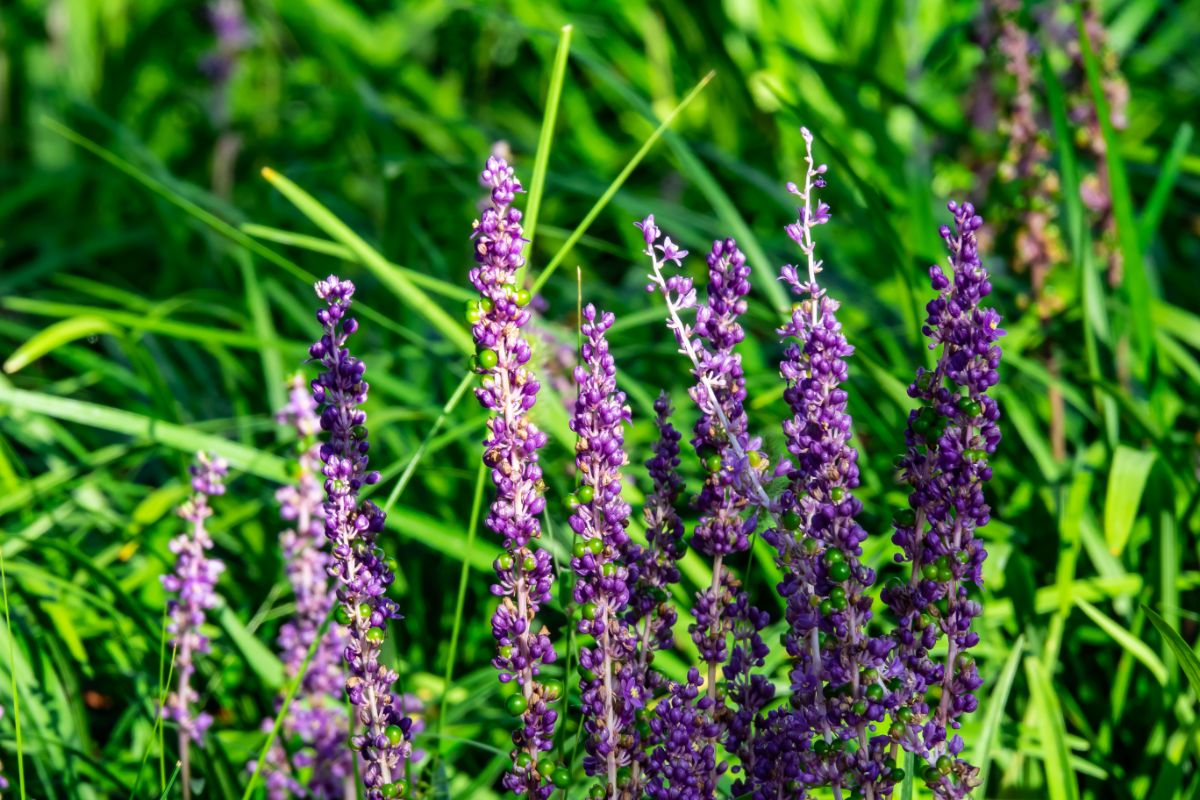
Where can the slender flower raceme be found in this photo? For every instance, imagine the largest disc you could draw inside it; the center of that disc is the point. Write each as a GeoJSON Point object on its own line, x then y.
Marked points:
{"type": "Point", "coordinates": [317, 714]}
{"type": "Point", "coordinates": [838, 672]}
{"type": "Point", "coordinates": [653, 569]}
{"type": "Point", "coordinates": [950, 437]}
{"type": "Point", "coordinates": [524, 573]}
{"type": "Point", "coordinates": [359, 569]}
{"type": "Point", "coordinates": [684, 765]}
{"type": "Point", "coordinates": [610, 692]}
{"type": "Point", "coordinates": [192, 581]}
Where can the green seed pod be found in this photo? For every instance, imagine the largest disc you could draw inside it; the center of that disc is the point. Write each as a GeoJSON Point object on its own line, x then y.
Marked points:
{"type": "Point", "coordinates": [595, 546]}
{"type": "Point", "coordinates": [375, 635]}
{"type": "Point", "coordinates": [343, 616]}
{"type": "Point", "coordinates": [713, 463]}
{"type": "Point", "coordinates": [791, 521]}
{"type": "Point", "coordinates": [839, 571]}
{"type": "Point", "coordinates": [516, 704]}
{"type": "Point", "coordinates": [523, 297]}
{"type": "Point", "coordinates": [394, 734]}
{"type": "Point", "coordinates": [488, 359]}
{"type": "Point", "coordinates": [585, 494]}
{"type": "Point", "coordinates": [523, 761]}
{"type": "Point", "coordinates": [837, 494]}
{"type": "Point", "coordinates": [529, 563]}
{"type": "Point", "coordinates": [834, 556]}
{"type": "Point", "coordinates": [580, 549]}
{"type": "Point", "coordinates": [874, 693]}
{"type": "Point", "coordinates": [561, 777]}
{"type": "Point", "coordinates": [505, 562]}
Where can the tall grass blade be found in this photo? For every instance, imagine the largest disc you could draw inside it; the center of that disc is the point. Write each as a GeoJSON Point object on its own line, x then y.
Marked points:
{"type": "Point", "coordinates": [1130, 643]}
{"type": "Point", "coordinates": [537, 185]}
{"type": "Point", "coordinates": [55, 336]}
{"type": "Point", "coordinates": [1184, 652]}
{"type": "Point", "coordinates": [1126, 483]}
{"type": "Point", "coordinates": [1056, 755]}
{"type": "Point", "coordinates": [989, 731]}
{"type": "Point", "coordinates": [1168, 175]}
{"type": "Point", "coordinates": [12, 661]}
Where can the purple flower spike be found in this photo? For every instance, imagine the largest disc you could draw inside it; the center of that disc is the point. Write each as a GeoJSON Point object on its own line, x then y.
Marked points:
{"type": "Point", "coordinates": [361, 574]}
{"type": "Point", "coordinates": [610, 690]}
{"type": "Point", "coordinates": [192, 582]}
{"type": "Point", "coordinates": [950, 437]}
{"type": "Point", "coordinates": [317, 716]}
{"type": "Point", "coordinates": [652, 570]}
{"type": "Point", "coordinates": [684, 765]}
{"type": "Point", "coordinates": [837, 678]}
{"type": "Point", "coordinates": [509, 390]}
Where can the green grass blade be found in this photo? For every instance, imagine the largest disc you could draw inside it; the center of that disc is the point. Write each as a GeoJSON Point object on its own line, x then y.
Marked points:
{"type": "Point", "coordinates": [405, 290]}
{"type": "Point", "coordinates": [419, 453]}
{"type": "Point", "coordinates": [247, 459]}
{"type": "Point", "coordinates": [156, 732]}
{"type": "Point", "coordinates": [1183, 651]}
{"type": "Point", "coordinates": [12, 660]}
{"type": "Point", "coordinates": [264, 331]}
{"type": "Point", "coordinates": [617, 183]}
{"type": "Point", "coordinates": [316, 244]}
{"type": "Point", "coordinates": [1056, 756]}
{"type": "Point", "coordinates": [1168, 174]}
{"type": "Point", "coordinates": [55, 336]}
{"type": "Point", "coordinates": [1136, 281]}
{"type": "Point", "coordinates": [1130, 643]}
{"type": "Point", "coordinates": [171, 782]}
{"type": "Point", "coordinates": [537, 185]}
{"type": "Point", "coordinates": [985, 745]}
{"type": "Point", "coordinates": [286, 704]}
{"type": "Point", "coordinates": [1126, 483]}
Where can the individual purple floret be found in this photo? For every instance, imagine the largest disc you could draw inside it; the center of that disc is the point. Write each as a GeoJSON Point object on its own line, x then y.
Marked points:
{"type": "Point", "coordinates": [524, 573]}
{"type": "Point", "coordinates": [361, 573]}
{"type": "Point", "coordinates": [838, 672]}
{"type": "Point", "coordinates": [192, 581]}
{"type": "Point", "coordinates": [610, 693]}
{"type": "Point", "coordinates": [652, 570]}
{"type": "Point", "coordinates": [683, 765]}
{"type": "Point", "coordinates": [950, 436]}
{"type": "Point", "coordinates": [317, 715]}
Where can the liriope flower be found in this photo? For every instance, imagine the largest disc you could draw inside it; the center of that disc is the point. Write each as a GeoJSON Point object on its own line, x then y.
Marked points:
{"type": "Point", "coordinates": [684, 764]}
{"type": "Point", "coordinates": [360, 571]}
{"type": "Point", "coordinates": [839, 672]}
{"type": "Point", "coordinates": [652, 571]}
{"type": "Point", "coordinates": [610, 693]}
{"type": "Point", "coordinates": [192, 581]}
{"type": "Point", "coordinates": [317, 715]}
{"type": "Point", "coordinates": [950, 437]}
{"type": "Point", "coordinates": [524, 573]}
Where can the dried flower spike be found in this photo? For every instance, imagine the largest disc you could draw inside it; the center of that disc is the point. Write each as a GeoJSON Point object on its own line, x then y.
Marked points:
{"type": "Point", "coordinates": [361, 573]}
{"type": "Point", "coordinates": [524, 573]}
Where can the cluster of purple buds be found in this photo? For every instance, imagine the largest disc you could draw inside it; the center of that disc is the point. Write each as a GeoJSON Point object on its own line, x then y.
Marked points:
{"type": "Point", "coordinates": [317, 716]}
{"type": "Point", "coordinates": [524, 572]}
{"type": "Point", "coordinates": [950, 436]}
{"type": "Point", "coordinates": [228, 20]}
{"type": "Point", "coordinates": [192, 582]}
{"type": "Point", "coordinates": [683, 764]}
{"type": "Point", "coordinates": [360, 571]}
{"type": "Point", "coordinates": [609, 687]}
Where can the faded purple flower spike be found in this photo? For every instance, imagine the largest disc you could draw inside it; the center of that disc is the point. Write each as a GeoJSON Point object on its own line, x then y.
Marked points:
{"type": "Point", "coordinates": [610, 694]}
{"type": "Point", "coordinates": [950, 437]}
{"type": "Point", "coordinates": [361, 574]}
{"type": "Point", "coordinates": [317, 716]}
{"type": "Point", "coordinates": [652, 570]}
{"type": "Point", "coordinates": [837, 677]}
{"type": "Point", "coordinates": [192, 582]}
{"type": "Point", "coordinates": [524, 573]}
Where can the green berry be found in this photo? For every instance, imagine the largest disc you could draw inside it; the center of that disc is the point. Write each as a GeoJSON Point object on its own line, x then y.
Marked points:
{"type": "Point", "coordinates": [896, 775]}
{"type": "Point", "coordinates": [874, 692]}
{"type": "Point", "coordinates": [596, 792]}
{"type": "Point", "coordinates": [904, 714]}
{"type": "Point", "coordinates": [826, 608]}
{"type": "Point", "coordinates": [506, 651]}
{"type": "Point", "coordinates": [929, 572]}
{"type": "Point", "coordinates": [755, 458]}
{"type": "Point", "coordinates": [974, 455]}
{"type": "Point", "coordinates": [791, 521]}
{"type": "Point", "coordinates": [343, 616]}
{"type": "Point", "coordinates": [375, 635]}
{"type": "Point", "coordinates": [585, 494]}
{"type": "Point", "coordinates": [595, 546]}
{"type": "Point", "coordinates": [970, 407]}
{"type": "Point", "coordinates": [523, 761]}
{"type": "Point", "coordinates": [529, 564]}
{"type": "Point", "coordinates": [859, 708]}
{"type": "Point", "coordinates": [905, 518]}
{"type": "Point", "coordinates": [561, 777]}
{"type": "Point", "coordinates": [930, 775]}
{"type": "Point", "coordinates": [474, 312]}
{"type": "Point", "coordinates": [552, 689]}
{"type": "Point", "coordinates": [488, 359]}
{"type": "Point", "coordinates": [394, 734]}
{"type": "Point", "coordinates": [820, 747]}
{"type": "Point", "coordinates": [580, 549]}
{"type": "Point", "coordinates": [811, 546]}
{"type": "Point", "coordinates": [945, 574]}
{"type": "Point", "coordinates": [837, 494]}
{"type": "Point", "coordinates": [837, 594]}
{"type": "Point", "coordinates": [589, 610]}
{"type": "Point", "coordinates": [523, 297]}
{"type": "Point", "coordinates": [364, 610]}
{"type": "Point", "coordinates": [944, 763]}
{"type": "Point", "coordinates": [839, 571]}
{"type": "Point", "coordinates": [505, 562]}
{"type": "Point", "coordinates": [517, 704]}
{"type": "Point", "coordinates": [834, 556]}
{"type": "Point", "coordinates": [897, 730]}
{"type": "Point", "coordinates": [608, 570]}
{"type": "Point", "coordinates": [713, 463]}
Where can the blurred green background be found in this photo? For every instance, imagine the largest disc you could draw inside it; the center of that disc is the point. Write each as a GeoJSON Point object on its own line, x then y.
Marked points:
{"type": "Point", "coordinates": [155, 293]}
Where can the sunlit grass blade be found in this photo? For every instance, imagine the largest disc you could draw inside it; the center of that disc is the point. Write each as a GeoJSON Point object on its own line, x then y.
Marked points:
{"type": "Point", "coordinates": [1056, 756]}
{"type": "Point", "coordinates": [989, 731]}
{"type": "Point", "coordinates": [288, 696]}
{"type": "Point", "coordinates": [419, 453]}
{"type": "Point", "coordinates": [316, 244]}
{"type": "Point", "coordinates": [407, 292]}
{"type": "Point", "coordinates": [171, 781]}
{"type": "Point", "coordinates": [537, 184]}
{"type": "Point", "coordinates": [1168, 174]}
{"type": "Point", "coordinates": [616, 185]}
{"type": "Point", "coordinates": [240, 457]}
{"type": "Point", "coordinates": [56, 335]}
{"type": "Point", "coordinates": [1130, 643]}
{"type": "Point", "coordinates": [264, 331]}
{"type": "Point", "coordinates": [12, 660]}
{"type": "Point", "coordinates": [1126, 482]}
{"type": "Point", "coordinates": [1183, 651]}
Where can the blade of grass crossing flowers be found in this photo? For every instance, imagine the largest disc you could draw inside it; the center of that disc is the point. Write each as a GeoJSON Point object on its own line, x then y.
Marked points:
{"type": "Point", "coordinates": [1056, 757]}
{"type": "Point", "coordinates": [460, 601]}
{"type": "Point", "coordinates": [283, 707]}
{"type": "Point", "coordinates": [1168, 174]}
{"type": "Point", "coordinates": [16, 698]}
{"type": "Point", "coordinates": [1183, 651]}
{"type": "Point", "coordinates": [1135, 278]}
{"type": "Point", "coordinates": [419, 454]}
{"type": "Point", "coordinates": [405, 290]}
{"type": "Point", "coordinates": [997, 700]}
{"type": "Point", "coordinates": [617, 183]}
{"type": "Point", "coordinates": [212, 220]}
{"type": "Point", "coordinates": [55, 336]}
{"type": "Point", "coordinates": [537, 185]}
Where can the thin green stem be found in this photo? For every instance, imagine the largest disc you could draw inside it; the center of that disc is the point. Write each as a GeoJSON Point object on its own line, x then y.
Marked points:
{"type": "Point", "coordinates": [158, 732]}
{"type": "Point", "coordinates": [12, 671]}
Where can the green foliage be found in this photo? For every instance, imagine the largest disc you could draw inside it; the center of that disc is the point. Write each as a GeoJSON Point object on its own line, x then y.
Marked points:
{"type": "Point", "coordinates": [155, 291]}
